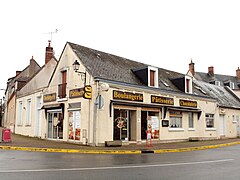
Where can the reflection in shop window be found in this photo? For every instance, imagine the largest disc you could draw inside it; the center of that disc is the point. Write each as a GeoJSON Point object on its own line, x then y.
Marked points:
{"type": "Point", "coordinates": [175, 119]}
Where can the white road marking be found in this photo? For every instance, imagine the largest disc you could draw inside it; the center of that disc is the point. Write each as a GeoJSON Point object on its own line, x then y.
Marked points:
{"type": "Point", "coordinates": [116, 167]}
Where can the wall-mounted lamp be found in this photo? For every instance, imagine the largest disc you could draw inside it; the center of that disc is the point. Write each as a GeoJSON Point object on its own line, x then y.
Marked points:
{"type": "Point", "coordinates": [76, 66]}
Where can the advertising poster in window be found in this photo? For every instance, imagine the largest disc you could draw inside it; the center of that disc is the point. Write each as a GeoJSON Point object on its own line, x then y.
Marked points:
{"type": "Point", "coordinates": [76, 119]}
{"type": "Point", "coordinates": [155, 127]}
{"type": "Point", "coordinates": [74, 125]}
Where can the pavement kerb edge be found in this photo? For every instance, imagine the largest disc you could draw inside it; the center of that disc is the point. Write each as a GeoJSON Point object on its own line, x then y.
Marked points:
{"type": "Point", "coordinates": [71, 150]}
{"type": "Point", "coordinates": [195, 148]}
{"type": "Point", "coordinates": [116, 151]}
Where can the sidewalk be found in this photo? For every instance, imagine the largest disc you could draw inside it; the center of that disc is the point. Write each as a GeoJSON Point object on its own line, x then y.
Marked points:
{"type": "Point", "coordinates": [20, 142]}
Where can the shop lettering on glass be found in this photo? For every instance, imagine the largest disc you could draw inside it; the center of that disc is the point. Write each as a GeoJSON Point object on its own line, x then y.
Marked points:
{"type": "Point", "coordinates": [128, 96]}
{"type": "Point", "coordinates": [121, 122]}
{"type": "Point", "coordinates": [162, 100]}
{"type": "Point", "coordinates": [49, 97]}
{"type": "Point", "coordinates": [188, 103]}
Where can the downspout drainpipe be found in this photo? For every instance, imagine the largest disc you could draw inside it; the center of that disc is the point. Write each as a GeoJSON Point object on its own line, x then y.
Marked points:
{"type": "Point", "coordinates": [95, 111]}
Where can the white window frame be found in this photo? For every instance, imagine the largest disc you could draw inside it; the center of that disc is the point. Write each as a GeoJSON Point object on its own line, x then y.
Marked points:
{"type": "Point", "coordinates": [175, 121]}
{"type": "Point", "coordinates": [150, 68]}
{"type": "Point", "coordinates": [191, 120]}
{"type": "Point", "coordinates": [20, 110]}
{"type": "Point", "coordinates": [189, 85]}
{"type": "Point", "coordinates": [28, 112]}
{"type": "Point", "coordinates": [209, 117]}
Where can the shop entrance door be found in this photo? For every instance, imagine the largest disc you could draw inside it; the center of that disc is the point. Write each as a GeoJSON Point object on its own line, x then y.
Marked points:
{"type": "Point", "coordinates": [121, 124]}
{"type": "Point", "coordinates": [55, 125]}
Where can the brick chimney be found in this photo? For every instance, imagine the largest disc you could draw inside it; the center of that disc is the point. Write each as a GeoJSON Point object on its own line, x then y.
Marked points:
{"type": "Point", "coordinates": [238, 73]}
{"type": "Point", "coordinates": [18, 72]}
{"type": "Point", "coordinates": [49, 53]}
{"type": "Point", "coordinates": [191, 67]}
{"type": "Point", "coordinates": [211, 71]}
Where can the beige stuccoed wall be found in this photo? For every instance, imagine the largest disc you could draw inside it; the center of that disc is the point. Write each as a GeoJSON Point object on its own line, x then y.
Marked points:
{"type": "Point", "coordinates": [230, 121]}
{"type": "Point", "coordinates": [32, 90]}
{"type": "Point", "coordinates": [28, 130]}
{"type": "Point", "coordinates": [105, 122]}
{"type": "Point", "coordinates": [73, 81]}
{"type": "Point", "coordinates": [9, 123]}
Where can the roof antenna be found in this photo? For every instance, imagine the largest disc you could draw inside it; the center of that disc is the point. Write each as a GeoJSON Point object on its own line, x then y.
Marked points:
{"type": "Point", "coordinates": [51, 33]}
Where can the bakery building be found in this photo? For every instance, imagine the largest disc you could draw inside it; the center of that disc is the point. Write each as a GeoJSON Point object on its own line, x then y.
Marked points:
{"type": "Point", "coordinates": [95, 97]}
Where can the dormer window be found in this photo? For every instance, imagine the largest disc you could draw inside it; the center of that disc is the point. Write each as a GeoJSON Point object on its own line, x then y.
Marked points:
{"type": "Point", "coordinates": [152, 76]}
{"type": "Point", "coordinates": [217, 83]}
{"type": "Point", "coordinates": [229, 84]}
{"type": "Point", "coordinates": [188, 84]}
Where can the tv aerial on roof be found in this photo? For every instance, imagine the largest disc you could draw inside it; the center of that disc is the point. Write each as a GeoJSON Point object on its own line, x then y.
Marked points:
{"type": "Point", "coordinates": [51, 33]}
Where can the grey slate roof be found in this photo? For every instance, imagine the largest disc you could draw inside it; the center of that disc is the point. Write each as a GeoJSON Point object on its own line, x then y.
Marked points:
{"type": "Point", "coordinates": [223, 96]}
{"type": "Point", "coordinates": [115, 68]}
{"type": "Point", "coordinates": [218, 77]}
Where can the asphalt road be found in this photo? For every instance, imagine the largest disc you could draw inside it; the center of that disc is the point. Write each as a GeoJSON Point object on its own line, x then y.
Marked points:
{"type": "Point", "coordinates": [220, 163]}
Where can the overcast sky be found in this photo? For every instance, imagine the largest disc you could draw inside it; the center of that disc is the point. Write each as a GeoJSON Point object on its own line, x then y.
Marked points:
{"type": "Point", "coordinates": [162, 33]}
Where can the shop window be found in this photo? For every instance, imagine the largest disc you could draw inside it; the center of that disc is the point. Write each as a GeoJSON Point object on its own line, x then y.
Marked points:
{"type": "Point", "coordinates": [149, 121]}
{"type": "Point", "coordinates": [74, 126]}
{"type": "Point", "coordinates": [209, 120]}
{"type": "Point", "coordinates": [175, 119]}
{"type": "Point", "coordinates": [190, 120]}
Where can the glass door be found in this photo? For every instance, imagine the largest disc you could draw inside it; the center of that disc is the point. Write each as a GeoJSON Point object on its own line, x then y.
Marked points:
{"type": "Point", "coordinates": [55, 125]}
{"type": "Point", "coordinates": [121, 124]}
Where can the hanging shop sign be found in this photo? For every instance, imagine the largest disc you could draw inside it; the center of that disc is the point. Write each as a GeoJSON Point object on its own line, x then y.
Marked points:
{"type": "Point", "coordinates": [187, 103]}
{"type": "Point", "coordinates": [162, 100]}
{"type": "Point", "coordinates": [128, 96]}
{"type": "Point", "coordinates": [85, 92]}
{"type": "Point", "coordinates": [49, 97]}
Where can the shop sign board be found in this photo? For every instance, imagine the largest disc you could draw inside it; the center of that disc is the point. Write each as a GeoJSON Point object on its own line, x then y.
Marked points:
{"type": "Point", "coordinates": [128, 96]}
{"type": "Point", "coordinates": [162, 100]}
{"type": "Point", "coordinates": [75, 93]}
{"type": "Point", "coordinates": [49, 97]}
{"type": "Point", "coordinates": [187, 103]}
{"type": "Point", "coordinates": [85, 92]}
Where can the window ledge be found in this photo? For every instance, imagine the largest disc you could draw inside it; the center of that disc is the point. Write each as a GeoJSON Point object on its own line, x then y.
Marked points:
{"type": "Point", "coordinates": [191, 129]}
{"type": "Point", "coordinates": [175, 129]}
{"type": "Point", "coordinates": [234, 122]}
{"type": "Point", "coordinates": [28, 125]}
{"type": "Point", "coordinates": [210, 129]}
{"type": "Point", "coordinates": [62, 99]}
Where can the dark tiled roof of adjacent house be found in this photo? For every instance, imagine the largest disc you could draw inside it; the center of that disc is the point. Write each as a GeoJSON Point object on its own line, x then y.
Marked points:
{"type": "Point", "coordinates": [111, 67]}
{"type": "Point", "coordinates": [218, 77]}
{"type": "Point", "coordinates": [223, 95]}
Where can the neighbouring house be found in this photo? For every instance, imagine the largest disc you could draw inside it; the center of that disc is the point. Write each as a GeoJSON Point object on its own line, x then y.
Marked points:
{"type": "Point", "coordinates": [14, 84]}
{"type": "Point", "coordinates": [29, 99]}
{"type": "Point", "coordinates": [225, 89]}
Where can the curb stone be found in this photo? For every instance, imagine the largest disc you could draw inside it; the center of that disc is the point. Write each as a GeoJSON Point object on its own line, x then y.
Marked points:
{"type": "Point", "coordinates": [116, 151]}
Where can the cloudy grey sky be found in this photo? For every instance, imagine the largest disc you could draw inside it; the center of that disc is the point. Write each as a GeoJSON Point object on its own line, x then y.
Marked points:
{"type": "Point", "coordinates": [163, 33]}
